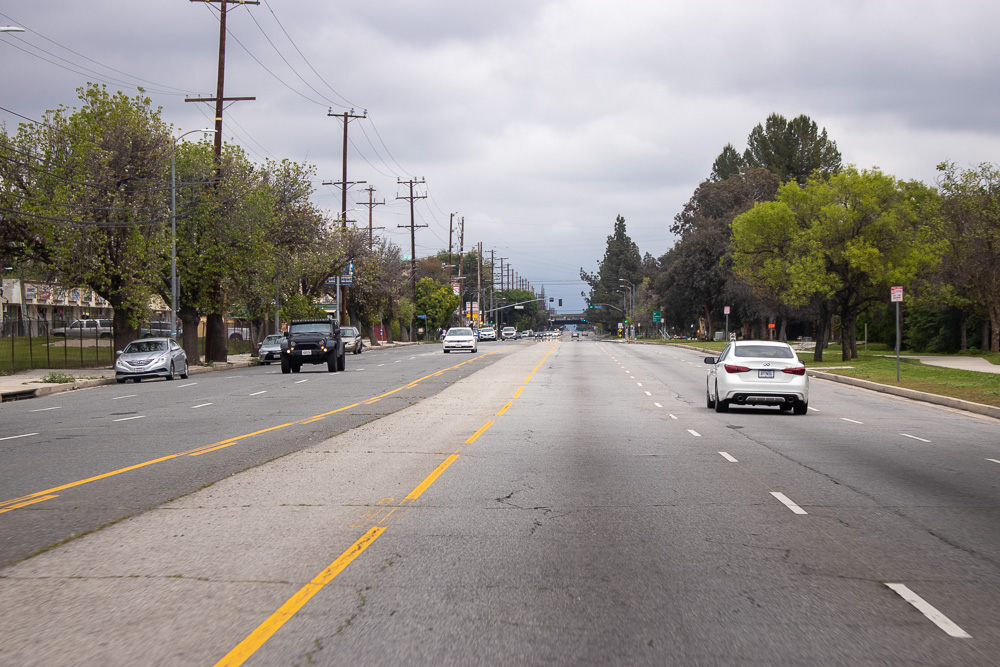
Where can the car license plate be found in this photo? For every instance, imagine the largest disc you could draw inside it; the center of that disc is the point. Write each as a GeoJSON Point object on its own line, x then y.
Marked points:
{"type": "Point", "coordinates": [765, 374]}
{"type": "Point", "coordinates": [306, 353]}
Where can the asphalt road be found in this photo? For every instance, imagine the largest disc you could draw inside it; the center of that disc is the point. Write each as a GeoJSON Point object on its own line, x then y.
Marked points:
{"type": "Point", "coordinates": [554, 503]}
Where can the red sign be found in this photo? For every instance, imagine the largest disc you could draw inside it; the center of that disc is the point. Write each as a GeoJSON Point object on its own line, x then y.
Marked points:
{"type": "Point", "coordinates": [896, 293]}
{"type": "Point", "coordinates": [725, 310]}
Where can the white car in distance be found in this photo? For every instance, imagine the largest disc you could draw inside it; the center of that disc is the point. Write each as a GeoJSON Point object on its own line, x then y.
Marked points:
{"type": "Point", "coordinates": [757, 372]}
{"type": "Point", "coordinates": [460, 338]}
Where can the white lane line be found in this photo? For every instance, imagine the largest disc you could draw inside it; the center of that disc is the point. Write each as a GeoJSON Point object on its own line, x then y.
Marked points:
{"type": "Point", "coordinates": [258, 393]}
{"type": "Point", "coordinates": [728, 457]}
{"type": "Point", "coordinates": [15, 437]}
{"type": "Point", "coordinates": [672, 416]}
{"type": "Point", "coordinates": [853, 421]}
{"type": "Point", "coordinates": [200, 405]}
{"type": "Point", "coordinates": [657, 405]}
{"type": "Point", "coordinates": [125, 396]}
{"type": "Point", "coordinates": [907, 435]}
{"type": "Point", "coordinates": [125, 419]}
{"type": "Point", "coordinates": [814, 409]}
{"type": "Point", "coordinates": [994, 460]}
{"type": "Point", "coordinates": [56, 407]}
{"type": "Point", "coordinates": [398, 360]}
{"type": "Point", "coordinates": [694, 433]}
{"type": "Point", "coordinates": [788, 503]}
{"type": "Point", "coordinates": [648, 394]}
{"type": "Point", "coordinates": [639, 384]}
{"type": "Point", "coordinates": [381, 364]}
{"type": "Point", "coordinates": [928, 610]}
{"type": "Point", "coordinates": [189, 384]}
{"type": "Point", "coordinates": [300, 381]}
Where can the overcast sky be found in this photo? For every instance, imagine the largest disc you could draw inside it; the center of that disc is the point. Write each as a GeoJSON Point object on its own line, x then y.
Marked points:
{"type": "Point", "coordinates": [538, 121]}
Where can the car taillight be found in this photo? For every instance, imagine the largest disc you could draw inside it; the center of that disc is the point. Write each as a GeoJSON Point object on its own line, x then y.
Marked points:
{"type": "Point", "coordinates": [797, 370]}
{"type": "Point", "coordinates": [732, 368]}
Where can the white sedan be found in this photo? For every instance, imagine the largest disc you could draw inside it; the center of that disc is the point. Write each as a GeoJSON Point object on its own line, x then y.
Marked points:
{"type": "Point", "coordinates": [460, 338]}
{"type": "Point", "coordinates": [757, 372]}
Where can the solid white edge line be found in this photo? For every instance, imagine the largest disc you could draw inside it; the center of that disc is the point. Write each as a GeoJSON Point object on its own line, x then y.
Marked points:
{"type": "Point", "coordinates": [125, 419]}
{"type": "Point", "coordinates": [15, 437]}
{"type": "Point", "coordinates": [694, 433]}
{"type": "Point", "coordinates": [728, 457]}
{"type": "Point", "coordinates": [928, 610]}
{"type": "Point", "coordinates": [788, 503]}
{"type": "Point", "coordinates": [907, 435]}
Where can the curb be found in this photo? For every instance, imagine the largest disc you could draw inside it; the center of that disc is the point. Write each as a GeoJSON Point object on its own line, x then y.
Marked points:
{"type": "Point", "coordinates": [912, 394]}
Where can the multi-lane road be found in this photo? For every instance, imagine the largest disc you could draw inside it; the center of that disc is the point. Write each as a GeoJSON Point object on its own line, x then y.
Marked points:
{"type": "Point", "coordinates": [561, 502]}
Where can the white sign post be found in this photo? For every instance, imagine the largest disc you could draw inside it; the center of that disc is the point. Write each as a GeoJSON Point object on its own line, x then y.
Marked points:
{"type": "Point", "coordinates": [896, 295]}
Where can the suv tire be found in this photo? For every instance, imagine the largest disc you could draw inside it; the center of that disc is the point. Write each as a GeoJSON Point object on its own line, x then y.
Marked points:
{"type": "Point", "coordinates": [286, 366]}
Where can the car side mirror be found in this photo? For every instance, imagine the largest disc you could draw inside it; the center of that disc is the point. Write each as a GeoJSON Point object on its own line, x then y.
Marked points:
{"type": "Point", "coordinates": [709, 360]}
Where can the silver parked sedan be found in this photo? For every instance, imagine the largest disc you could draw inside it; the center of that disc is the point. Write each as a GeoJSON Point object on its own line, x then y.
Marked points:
{"type": "Point", "coordinates": [151, 358]}
{"type": "Point", "coordinates": [353, 342]}
{"type": "Point", "coordinates": [270, 349]}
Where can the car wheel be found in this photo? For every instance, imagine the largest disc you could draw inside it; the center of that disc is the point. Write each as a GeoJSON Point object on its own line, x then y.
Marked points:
{"type": "Point", "coordinates": [286, 366]}
{"type": "Point", "coordinates": [709, 403]}
{"type": "Point", "coordinates": [331, 364]}
{"type": "Point", "coordinates": [296, 368]}
{"type": "Point", "coordinates": [170, 373]}
{"type": "Point", "coordinates": [785, 407]}
{"type": "Point", "coordinates": [447, 351]}
{"type": "Point", "coordinates": [342, 361]}
{"type": "Point", "coordinates": [801, 407]}
{"type": "Point", "coordinates": [184, 374]}
{"type": "Point", "coordinates": [720, 405]}
{"type": "Point", "coordinates": [120, 380]}
{"type": "Point", "coordinates": [137, 380]}
{"type": "Point", "coordinates": [474, 350]}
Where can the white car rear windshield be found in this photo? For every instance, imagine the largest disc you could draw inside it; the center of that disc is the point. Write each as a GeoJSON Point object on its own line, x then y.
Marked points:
{"type": "Point", "coordinates": [459, 331]}
{"type": "Point", "coordinates": [763, 351]}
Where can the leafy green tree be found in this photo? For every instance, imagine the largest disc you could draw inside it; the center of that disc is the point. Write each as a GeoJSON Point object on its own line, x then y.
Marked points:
{"type": "Point", "coordinates": [729, 163]}
{"type": "Point", "coordinates": [437, 302]}
{"type": "Point", "coordinates": [971, 213]}
{"type": "Point", "coordinates": [839, 243]}
{"type": "Point", "coordinates": [92, 175]}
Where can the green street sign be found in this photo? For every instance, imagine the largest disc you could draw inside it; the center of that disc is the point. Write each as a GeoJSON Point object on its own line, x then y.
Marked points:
{"type": "Point", "coordinates": [656, 316]}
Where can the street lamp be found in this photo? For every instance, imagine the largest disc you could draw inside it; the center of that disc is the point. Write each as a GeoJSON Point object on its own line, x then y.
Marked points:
{"type": "Point", "coordinates": [630, 314]}
{"type": "Point", "coordinates": [173, 231]}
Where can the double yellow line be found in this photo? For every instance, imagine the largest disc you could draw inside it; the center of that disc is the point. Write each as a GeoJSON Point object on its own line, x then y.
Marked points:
{"type": "Point", "coordinates": [49, 494]}
{"type": "Point", "coordinates": [266, 630]}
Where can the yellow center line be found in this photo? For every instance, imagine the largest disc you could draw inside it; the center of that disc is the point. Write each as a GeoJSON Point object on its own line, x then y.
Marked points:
{"type": "Point", "coordinates": [26, 503]}
{"type": "Point", "coordinates": [518, 392]}
{"type": "Point", "coordinates": [504, 408]}
{"type": "Point", "coordinates": [265, 630]}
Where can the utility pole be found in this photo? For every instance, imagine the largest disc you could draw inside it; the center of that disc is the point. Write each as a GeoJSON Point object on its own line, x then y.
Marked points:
{"type": "Point", "coordinates": [479, 281]}
{"type": "Point", "coordinates": [493, 277]}
{"type": "Point", "coordinates": [503, 278]}
{"type": "Point", "coordinates": [344, 183]}
{"type": "Point", "coordinates": [451, 229]}
{"type": "Point", "coordinates": [413, 243]}
{"type": "Point", "coordinates": [215, 334]}
{"type": "Point", "coordinates": [371, 204]}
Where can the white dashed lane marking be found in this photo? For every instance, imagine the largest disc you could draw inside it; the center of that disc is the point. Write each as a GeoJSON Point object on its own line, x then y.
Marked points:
{"type": "Point", "coordinates": [907, 435]}
{"type": "Point", "coordinates": [929, 611]}
{"type": "Point", "coordinates": [788, 503]}
{"type": "Point", "coordinates": [728, 457]}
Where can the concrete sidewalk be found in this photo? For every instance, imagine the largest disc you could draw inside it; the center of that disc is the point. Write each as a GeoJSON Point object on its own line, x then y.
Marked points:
{"type": "Point", "coordinates": [31, 383]}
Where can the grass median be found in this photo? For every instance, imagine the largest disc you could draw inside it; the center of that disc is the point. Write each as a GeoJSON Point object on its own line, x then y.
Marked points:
{"type": "Point", "coordinates": [878, 364]}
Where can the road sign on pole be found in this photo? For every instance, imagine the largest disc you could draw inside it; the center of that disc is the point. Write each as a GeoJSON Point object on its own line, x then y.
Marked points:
{"type": "Point", "coordinates": [657, 316]}
{"type": "Point", "coordinates": [896, 296]}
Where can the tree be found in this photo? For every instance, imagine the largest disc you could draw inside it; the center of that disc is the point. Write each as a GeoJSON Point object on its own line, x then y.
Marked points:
{"type": "Point", "coordinates": [93, 176]}
{"type": "Point", "coordinates": [437, 302]}
{"type": "Point", "coordinates": [621, 260]}
{"type": "Point", "coordinates": [971, 213]}
{"type": "Point", "coordinates": [729, 163]}
{"type": "Point", "coordinates": [839, 244]}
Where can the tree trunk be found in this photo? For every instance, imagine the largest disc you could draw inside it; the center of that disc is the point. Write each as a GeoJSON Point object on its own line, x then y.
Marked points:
{"type": "Point", "coordinates": [709, 326]}
{"type": "Point", "coordinates": [783, 330]}
{"type": "Point", "coordinates": [963, 328]}
{"type": "Point", "coordinates": [822, 333]}
{"type": "Point", "coordinates": [984, 341]}
{"type": "Point", "coordinates": [995, 326]}
{"type": "Point", "coordinates": [188, 316]}
{"type": "Point", "coordinates": [852, 332]}
{"type": "Point", "coordinates": [124, 333]}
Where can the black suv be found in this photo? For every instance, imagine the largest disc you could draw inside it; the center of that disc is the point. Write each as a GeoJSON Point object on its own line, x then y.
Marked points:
{"type": "Point", "coordinates": [312, 342]}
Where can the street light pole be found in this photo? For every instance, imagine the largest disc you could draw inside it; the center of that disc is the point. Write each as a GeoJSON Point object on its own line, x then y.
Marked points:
{"type": "Point", "coordinates": [173, 232]}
